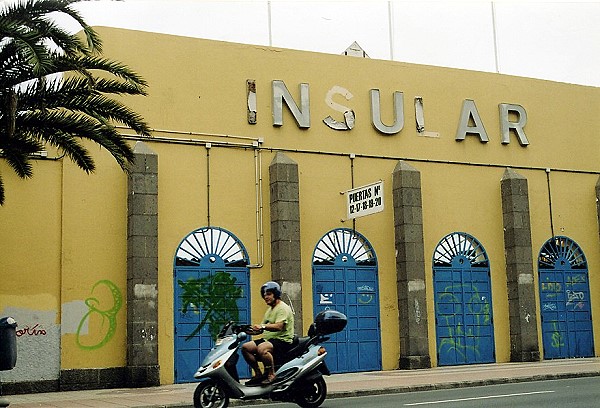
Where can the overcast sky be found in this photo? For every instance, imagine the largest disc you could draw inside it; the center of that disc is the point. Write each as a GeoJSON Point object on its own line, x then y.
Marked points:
{"type": "Point", "coordinates": [558, 41]}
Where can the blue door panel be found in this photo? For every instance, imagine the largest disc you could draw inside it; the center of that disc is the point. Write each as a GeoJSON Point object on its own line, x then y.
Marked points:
{"type": "Point", "coordinates": [463, 307]}
{"type": "Point", "coordinates": [565, 300]}
{"type": "Point", "coordinates": [210, 287]}
{"type": "Point", "coordinates": [192, 345]}
{"type": "Point", "coordinates": [188, 363]}
{"type": "Point", "coordinates": [340, 284]}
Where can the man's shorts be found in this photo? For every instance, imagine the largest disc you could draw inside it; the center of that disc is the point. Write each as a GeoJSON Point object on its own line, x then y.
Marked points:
{"type": "Point", "coordinates": [280, 349]}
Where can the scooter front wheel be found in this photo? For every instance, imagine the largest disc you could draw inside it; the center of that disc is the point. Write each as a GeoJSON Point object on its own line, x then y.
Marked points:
{"type": "Point", "coordinates": [312, 393]}
{"type": "Point", "coordinates": [210, 394]}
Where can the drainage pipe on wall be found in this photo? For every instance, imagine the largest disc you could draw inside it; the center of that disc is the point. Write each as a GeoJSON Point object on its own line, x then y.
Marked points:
{"type": "Point", "coordinates": [550, 202]}
{"type": "Point", "coordinates": [260, 242]}
{"type": "Point", "coordinates": [208, 147]}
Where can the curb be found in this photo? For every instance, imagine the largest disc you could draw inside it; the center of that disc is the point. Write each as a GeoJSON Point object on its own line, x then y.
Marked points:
{"type": "Point", "coordinates": [459, 384]}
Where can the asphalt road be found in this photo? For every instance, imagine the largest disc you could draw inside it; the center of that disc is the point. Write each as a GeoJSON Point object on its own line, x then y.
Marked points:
{"type": "Point", "coordinates": [565, 393]}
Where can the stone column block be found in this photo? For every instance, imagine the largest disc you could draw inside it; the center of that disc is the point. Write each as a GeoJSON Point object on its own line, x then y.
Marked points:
{"type": "Point", "coordinates": [410, 267]}
{"type": "Point", "coordinates": [286, 268]}
{"type": "Point", "coordinates": [524, 344]}
{"type": "Point", "coordinates": [142, 269]}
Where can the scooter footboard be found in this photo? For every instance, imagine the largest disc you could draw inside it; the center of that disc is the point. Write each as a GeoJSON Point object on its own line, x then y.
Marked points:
{"type": "Point", "coordinates": [231, 387]}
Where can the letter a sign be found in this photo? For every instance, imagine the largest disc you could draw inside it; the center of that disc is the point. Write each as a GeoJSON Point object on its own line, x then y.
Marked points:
{"type": "Point", "coordinates": [364, 200]}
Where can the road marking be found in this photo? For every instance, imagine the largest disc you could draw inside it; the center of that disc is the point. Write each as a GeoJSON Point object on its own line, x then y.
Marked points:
{"type": "Point", "coordinates": [477, 398]}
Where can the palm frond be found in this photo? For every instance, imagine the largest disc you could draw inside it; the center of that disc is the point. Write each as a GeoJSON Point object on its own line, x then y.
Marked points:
{"type": "Point", "coordinates": [34, 15]}
{"type": "Point", "coordinates": [90, 62]}
{"type": "Point", "coordinates": [16, 151]}
{"type": "Point", "coordinates": [60, 124]}
{"type": "Point", "coordinates": [55, 91]}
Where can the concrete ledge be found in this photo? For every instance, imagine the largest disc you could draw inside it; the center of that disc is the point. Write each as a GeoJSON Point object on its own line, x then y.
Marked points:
{"type": "Point", "coordinates": [92, 378]}
{"type": "Point", "coordinates": [414, 362]}
{"type": "Point", "coordinates": [29, 387]}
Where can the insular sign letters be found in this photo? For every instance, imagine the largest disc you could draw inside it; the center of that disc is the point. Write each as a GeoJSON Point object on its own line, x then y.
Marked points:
{"type": "Point", "coordinates": [469, 123]}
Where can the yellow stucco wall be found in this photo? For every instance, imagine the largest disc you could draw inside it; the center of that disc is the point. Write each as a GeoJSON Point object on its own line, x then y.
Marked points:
{"type": "Point", "coordinates": [65, 231]}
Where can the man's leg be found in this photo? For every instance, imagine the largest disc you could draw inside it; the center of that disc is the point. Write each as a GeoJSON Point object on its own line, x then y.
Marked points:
{"type": "Point", "coordinates": [249, 351]}
{"type": "Point", "coordinates": [265, 354]}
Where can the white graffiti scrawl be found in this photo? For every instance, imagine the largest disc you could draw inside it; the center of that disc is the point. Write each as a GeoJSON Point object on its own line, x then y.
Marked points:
{"type": "Point", "coordinates": [325, 298]}
{"type": "Point", "coordinates": [575, 297]}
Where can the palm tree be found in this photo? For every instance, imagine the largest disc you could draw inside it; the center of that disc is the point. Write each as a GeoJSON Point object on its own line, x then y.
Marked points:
{"type": "Point", "coordinates": [55, 89]}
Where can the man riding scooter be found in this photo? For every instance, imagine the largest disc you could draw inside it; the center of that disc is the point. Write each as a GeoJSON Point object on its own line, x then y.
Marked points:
{"type": "Point", "coordinates": [278, 333]}
{"type": "Point", "coordinates": [300, 364]}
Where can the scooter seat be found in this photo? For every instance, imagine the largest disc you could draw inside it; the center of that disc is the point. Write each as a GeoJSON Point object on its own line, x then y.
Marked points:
{"type": "Point", "coordinates": [298, 347]}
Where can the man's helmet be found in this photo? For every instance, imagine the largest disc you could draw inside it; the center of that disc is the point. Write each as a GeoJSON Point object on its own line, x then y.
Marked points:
{"type": "Point", "coordinates": [272, 287]}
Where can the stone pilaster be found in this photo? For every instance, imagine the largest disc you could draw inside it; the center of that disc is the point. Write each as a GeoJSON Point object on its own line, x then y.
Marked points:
{"type": "Point", "coordinates": [410, 267]}
{"type": "Point", "coordinates": [142, 269]}
{"type": "Point", "coordinates": [285, 231]}
{"type": "Point", "coordinates": [524, 345]}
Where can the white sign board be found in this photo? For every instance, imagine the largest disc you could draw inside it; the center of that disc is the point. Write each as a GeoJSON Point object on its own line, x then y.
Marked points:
{"type": "Point", "coordinates": [364, 200]}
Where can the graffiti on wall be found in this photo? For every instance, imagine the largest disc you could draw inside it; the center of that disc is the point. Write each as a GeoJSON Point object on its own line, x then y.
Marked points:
{"type": "Point", "coordinates": [557, 337]}
{"type": "Point", "coordinates": [214, 297]}
{"type": "Point", "coordinates": [477, 307]}
{"type": "Point", "coordinates": [551, 289]}
{"type": "Point", "coordinates": [38, 343]}
{"type": "Point", "coordinates": [554, 295]}
{"type": "Point", "coordinates": [35, 330]}
{"type": "Point", "coordinates": [366, 294]}
{"type": "Point", "coordinates": [106, 311]}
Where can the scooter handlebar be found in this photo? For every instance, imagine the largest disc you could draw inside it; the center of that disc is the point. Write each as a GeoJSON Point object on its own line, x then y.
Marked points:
{"type": "Point", "coordinates": [248, 329]}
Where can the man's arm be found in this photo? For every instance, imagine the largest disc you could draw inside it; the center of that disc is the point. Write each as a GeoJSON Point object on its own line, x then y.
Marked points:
{"type": "Point", "coordinates": [274, 327]}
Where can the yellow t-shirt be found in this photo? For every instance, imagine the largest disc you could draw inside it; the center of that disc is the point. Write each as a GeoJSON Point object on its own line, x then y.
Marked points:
{"type": "Point", "coordinates": [280, 313]}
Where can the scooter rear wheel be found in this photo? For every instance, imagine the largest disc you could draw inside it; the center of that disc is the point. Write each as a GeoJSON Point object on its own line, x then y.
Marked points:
{"type": "Point", "coordinates": [209, 394]}
{"type": "Point", "coordinates": [312, 393]}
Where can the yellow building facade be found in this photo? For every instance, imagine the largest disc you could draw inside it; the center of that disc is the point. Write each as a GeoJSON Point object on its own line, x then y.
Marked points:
{"type": "Point", "coordinates": [264, 150]}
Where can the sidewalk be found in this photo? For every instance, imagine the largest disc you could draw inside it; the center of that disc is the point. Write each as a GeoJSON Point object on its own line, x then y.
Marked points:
{"type": "Point", "coordinates": [339, 385]}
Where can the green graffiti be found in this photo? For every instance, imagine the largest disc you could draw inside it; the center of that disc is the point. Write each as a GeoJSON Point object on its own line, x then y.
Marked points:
{"type": "Point", "coordinates": [477, 307]}
{"type": "Point", "coordinates": [215, 296]}
{"type": "Point", "coordinates": [557, 338]}
{"type": "Point", "coordinates": [578, 278]}
{"type": "Point", "coordinates": [109, 316]}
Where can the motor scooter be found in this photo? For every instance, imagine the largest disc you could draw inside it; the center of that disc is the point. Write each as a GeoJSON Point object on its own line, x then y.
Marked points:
{"type": "Point", "coordinates": [298, 379]}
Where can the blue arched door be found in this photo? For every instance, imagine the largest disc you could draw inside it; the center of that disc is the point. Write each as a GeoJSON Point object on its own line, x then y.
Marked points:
{"type": "Point", "coordinates": [345, 279]}
{"type": "Point", "coordinates": [211, 287]}
{"type": "Point", "coordinates": [463, 301]}
{"type": "Point", "coordinates": [565, 300]}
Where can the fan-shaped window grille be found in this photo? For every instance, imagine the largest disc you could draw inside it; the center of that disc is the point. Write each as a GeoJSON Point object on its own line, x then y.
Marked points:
{"type": "Point", "coordinates": [559, 251]}
{"type": "Point", "coordinates": [211, 243]}
{"type": "Point", "coordinates": [458, 248]}
{"type": "Point", "coordinates": [343, 245]}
